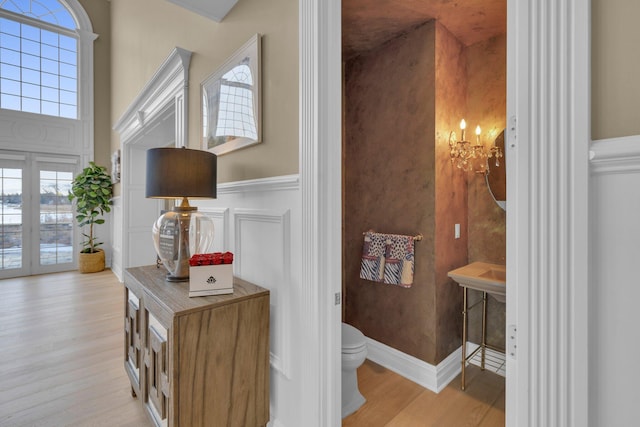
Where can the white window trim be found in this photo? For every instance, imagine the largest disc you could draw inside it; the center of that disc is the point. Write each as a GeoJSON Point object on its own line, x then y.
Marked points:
{"type": "Point", "coordinates": [81, 129]}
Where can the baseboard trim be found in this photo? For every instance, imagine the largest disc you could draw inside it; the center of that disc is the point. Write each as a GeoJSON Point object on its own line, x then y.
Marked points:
{"type": "Point", "coordinates": [434, 378]}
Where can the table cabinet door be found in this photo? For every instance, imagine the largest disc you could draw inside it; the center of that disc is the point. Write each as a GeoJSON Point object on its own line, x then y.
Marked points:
{"type": "Point", "coordinates": [132, 327]}
{"type": "Point", "coordinates": [157, 370]}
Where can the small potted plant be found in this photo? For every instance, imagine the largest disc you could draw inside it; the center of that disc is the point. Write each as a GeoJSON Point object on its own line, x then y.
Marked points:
{"type": "Point", "coordinates": [92, 190]}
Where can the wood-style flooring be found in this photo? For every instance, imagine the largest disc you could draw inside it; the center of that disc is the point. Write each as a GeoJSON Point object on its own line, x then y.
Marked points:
{"type": "Point", "coordinates": [61, 364]}
{"type": "Point", "coordinates": [61, 352]}
{"type": "Point", "coordinates": [393, 400]}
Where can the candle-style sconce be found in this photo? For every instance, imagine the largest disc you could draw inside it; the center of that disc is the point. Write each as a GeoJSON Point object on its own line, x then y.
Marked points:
{"type": "Point", "coordinates": [468, 156]}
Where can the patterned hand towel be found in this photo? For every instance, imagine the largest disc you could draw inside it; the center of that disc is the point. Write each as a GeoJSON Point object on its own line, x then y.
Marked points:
{"type": "Point", "coordinates": [388, 258]}
{"type": "Point", "coordinates": [372, 264]}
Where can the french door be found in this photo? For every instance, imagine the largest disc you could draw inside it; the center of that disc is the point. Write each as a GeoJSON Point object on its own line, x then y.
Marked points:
{"type": "Point", "coordinates": [36, 217]}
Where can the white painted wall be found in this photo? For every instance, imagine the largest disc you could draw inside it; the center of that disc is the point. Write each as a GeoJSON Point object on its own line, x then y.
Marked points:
{"type": "Point", "coordinates": [615, 285]}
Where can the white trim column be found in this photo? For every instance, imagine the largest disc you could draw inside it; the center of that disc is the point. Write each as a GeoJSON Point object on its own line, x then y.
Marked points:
{"type": "Point", "coordinates": [548, 86]}
{"type": "Point", "coordinates": [320, 178]}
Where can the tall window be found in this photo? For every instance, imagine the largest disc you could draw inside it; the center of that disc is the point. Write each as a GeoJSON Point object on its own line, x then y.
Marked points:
{"type": "Point", "coordinates": [235, 114]}
{"type": "Point", "coordinates": [38, 58]}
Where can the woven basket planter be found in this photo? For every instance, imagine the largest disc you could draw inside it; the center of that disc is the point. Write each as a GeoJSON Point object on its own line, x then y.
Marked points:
{"type": "Point", "coordinates": [91, 263]}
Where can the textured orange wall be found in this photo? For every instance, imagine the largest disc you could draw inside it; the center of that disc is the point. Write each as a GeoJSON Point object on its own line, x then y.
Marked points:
{"type": "Point", "coordinates": [451, 194]}
{"type": "Point", "coordinates": [389, 186]}
{"type": "Point", "coordinates": [486, 105]}
{"type": "Point", "coordinates": [400, 103]}
{"type": "Point", "coordinates": [398, 179]}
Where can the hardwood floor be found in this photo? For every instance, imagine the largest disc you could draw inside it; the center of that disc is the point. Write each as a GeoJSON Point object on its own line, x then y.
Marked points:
{"type": "Point", "coordinates": [393, 400]}
{"type": "Point", "coordinates": [61, 352]}
{"type": "Point", "coordinates": [61, 364]}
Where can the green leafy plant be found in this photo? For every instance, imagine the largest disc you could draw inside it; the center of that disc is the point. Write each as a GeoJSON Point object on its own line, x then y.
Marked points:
{"type": "Point", "coordinates": [92, 190]}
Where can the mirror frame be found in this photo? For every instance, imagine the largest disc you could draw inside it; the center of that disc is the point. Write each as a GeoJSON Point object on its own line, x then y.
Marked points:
{"type": "Point", "coordinates": [248, 55]}
{"type": "Point", "coordinates": [497, 181]}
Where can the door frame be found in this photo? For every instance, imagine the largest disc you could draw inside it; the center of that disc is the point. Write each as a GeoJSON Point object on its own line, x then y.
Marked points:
{"type": "Point", "coordinates": [31, 163]}
{"type": "Point", "coordinates": [548, 77]}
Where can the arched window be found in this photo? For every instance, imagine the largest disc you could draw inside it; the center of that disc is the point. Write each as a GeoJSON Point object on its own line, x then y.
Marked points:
{"type": "Point", "coordinates": [38, 58]}
{"type": "Point", "coordinates": [235, 113]}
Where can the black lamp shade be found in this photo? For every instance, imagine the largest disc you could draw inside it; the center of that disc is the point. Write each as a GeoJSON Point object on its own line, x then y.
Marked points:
{"type": "Point", "coordinates": [174, 173]}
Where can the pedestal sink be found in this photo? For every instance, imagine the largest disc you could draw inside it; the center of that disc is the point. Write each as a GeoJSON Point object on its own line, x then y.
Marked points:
{"type": "Point", "coordinates": [489, 279]}
{"type": "Point", "coordinates": [483, 276]}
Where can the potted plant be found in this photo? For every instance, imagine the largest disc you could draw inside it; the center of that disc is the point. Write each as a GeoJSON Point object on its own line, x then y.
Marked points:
{"type": "Point", "coordinates": [92, 190]}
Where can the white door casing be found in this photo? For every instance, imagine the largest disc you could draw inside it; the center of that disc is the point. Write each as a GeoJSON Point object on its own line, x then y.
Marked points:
{"type": "Point", "coordinates": [156, 118]}
{"type": "Point", "coordinates": [548, 109]}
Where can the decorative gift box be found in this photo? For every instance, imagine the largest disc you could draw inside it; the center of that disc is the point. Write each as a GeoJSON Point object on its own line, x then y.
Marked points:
{"type": "Point", "coordinates": [211, 274]}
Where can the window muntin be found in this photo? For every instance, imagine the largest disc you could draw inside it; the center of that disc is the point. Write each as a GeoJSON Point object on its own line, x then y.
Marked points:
{"type": "Point", "coordinates": [38, 65]}
{"type": "Point", "coordinates": [50, 11]}
{"type": "Point", "coordinates": [235, 113]}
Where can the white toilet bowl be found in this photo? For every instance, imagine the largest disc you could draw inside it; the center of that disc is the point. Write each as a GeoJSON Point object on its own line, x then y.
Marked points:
{"type": "Point", "coordinates": [354, 351]}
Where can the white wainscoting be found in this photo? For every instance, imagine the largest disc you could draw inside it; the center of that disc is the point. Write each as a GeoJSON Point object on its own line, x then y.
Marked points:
{"type": "Point", "coordinates": [116, 237]}
{"type": "Point", "coordinates": [259, 221]}
{"type": "Point", "coordinates": [614, 289]}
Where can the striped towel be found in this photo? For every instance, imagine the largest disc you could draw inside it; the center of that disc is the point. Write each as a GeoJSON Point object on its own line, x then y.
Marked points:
{"type": "Point", "coordinates": [388, 258]}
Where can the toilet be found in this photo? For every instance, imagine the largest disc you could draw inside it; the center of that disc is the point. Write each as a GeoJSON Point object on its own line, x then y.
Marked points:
{"type": "Point", "coordinates": [354, 351]}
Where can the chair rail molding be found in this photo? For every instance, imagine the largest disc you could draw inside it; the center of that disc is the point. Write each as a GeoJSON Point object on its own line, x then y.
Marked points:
{"type": "Point", "coordinates": [615, 155]}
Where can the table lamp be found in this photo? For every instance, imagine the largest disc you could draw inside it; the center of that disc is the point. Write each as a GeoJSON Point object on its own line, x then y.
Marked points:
{"type": "Point", "coordinates": [181, 173]}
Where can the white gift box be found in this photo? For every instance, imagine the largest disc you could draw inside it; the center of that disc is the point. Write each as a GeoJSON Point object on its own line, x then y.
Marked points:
{"type": "Point", "coordinates": [210, 280]}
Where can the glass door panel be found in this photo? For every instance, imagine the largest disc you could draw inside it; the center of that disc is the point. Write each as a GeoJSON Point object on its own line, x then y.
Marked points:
{"type": "Point", "coordinates": [53, 219]}
{"type": "Point", "coordinates": [36, 218]}
{"type": "Point", "coordinates": [11, 240]}
{"type": "Point", "coordinates": [56, 218]}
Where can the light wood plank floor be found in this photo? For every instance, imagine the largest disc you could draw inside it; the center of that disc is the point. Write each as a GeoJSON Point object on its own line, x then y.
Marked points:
{"type": "Point", "coordinates": [61, 364]}
{"type": "Point", "coordinates": [393, 400]}
{"type": "Point", "coordinates": [61, 352]}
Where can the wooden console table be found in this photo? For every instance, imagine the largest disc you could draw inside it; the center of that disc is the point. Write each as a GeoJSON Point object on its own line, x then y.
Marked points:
{"type": "Point", "coordinates": [200, 361]}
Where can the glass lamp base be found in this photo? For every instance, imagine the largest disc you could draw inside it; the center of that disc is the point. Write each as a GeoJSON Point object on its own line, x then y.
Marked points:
{"type": "Point", "coordinates": [177, 235]}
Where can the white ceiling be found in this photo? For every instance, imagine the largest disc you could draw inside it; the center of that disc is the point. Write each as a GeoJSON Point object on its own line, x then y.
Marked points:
{"type": "Point", "coordinates": [212, 9]}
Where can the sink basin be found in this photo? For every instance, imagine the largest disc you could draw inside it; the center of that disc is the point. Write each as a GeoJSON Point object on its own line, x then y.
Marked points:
{"type": "Point", "coordinates": [482, 276]}
{"type": "Point", "coordinates": [497, 275]}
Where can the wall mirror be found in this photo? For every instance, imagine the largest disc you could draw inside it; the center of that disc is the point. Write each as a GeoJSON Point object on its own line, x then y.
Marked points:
{"type": "Point", "coordinates": [496, 177]}
{"type": "Point", "coordinates": [231, 100]}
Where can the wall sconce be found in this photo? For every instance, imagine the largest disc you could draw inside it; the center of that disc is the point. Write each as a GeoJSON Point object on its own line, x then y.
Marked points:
{"type": "Point", "coordinates": [180, 173]}
{"type": "Point", "coordinates": [465, 155]}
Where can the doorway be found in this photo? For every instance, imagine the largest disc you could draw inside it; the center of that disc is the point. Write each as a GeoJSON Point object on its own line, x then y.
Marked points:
{"type": "Point", "coordinates": [36, 217]}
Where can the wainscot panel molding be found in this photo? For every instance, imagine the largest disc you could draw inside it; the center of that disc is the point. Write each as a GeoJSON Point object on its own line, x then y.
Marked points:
{"type": "Point", "coordinates": [116, 238]}
{"type": "Point", "coordinates": [220, 217]}
{"type": "Point", "coordinates": [613, 291]}
{"type": "Point", "coordinates": [260, 222]}
{"type": "Point", "coordinates": [265, 235]}
{"type": "Point", "coordinates": [40, 133]}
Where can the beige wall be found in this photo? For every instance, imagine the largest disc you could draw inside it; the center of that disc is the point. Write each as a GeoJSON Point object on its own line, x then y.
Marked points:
{"type": "Point", "coordinates": [144, 32]}
{"type": "Point", "coordinates": [99, 14]}
{"type": "Point", "coordinates": [615, 86]}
